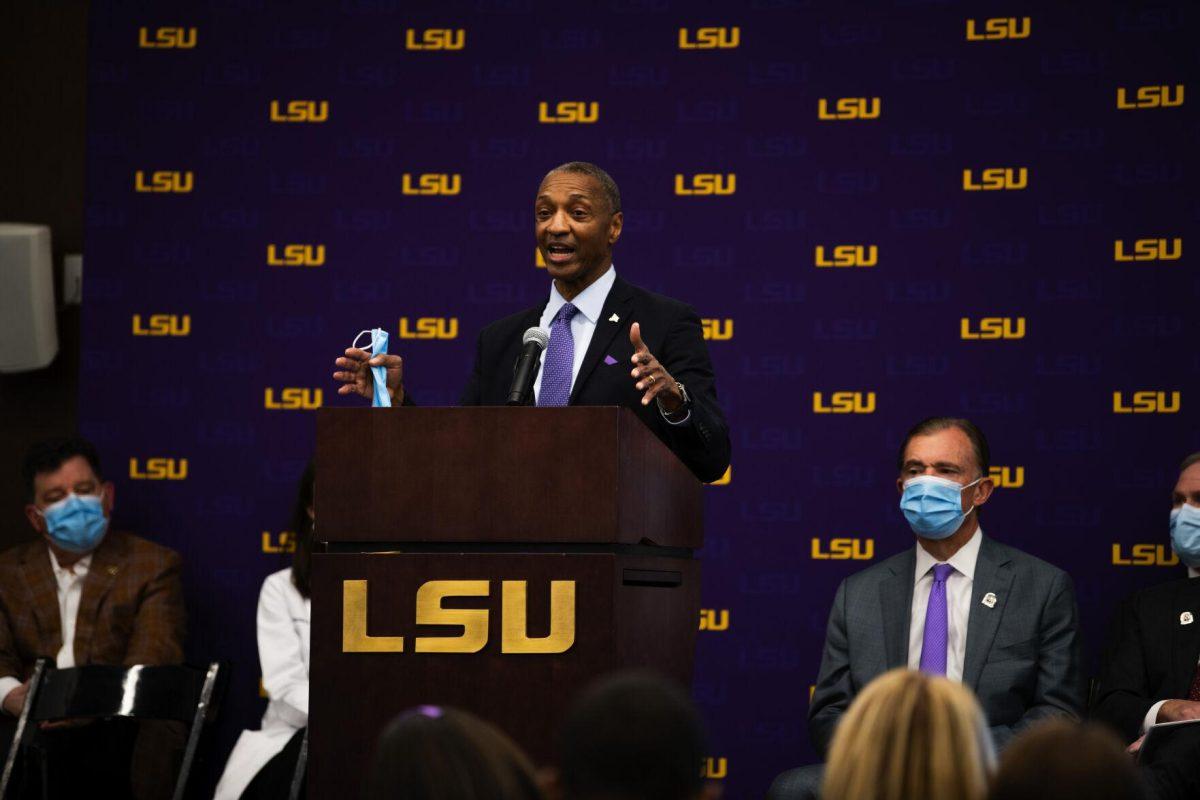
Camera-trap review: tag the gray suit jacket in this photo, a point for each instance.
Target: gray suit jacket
(1022, 655)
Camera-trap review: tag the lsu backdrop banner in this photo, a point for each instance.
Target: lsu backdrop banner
(882, 213)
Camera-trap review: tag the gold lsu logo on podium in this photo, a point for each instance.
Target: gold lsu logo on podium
(475, 622)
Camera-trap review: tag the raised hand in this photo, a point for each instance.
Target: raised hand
(651, 376)
(354, 372)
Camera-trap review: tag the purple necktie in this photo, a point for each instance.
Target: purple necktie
(933, 645)
(560, 358)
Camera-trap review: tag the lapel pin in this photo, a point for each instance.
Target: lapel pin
(989, 599)
(1186, 618)
(614, 318)
(111, 571)
(609, 360)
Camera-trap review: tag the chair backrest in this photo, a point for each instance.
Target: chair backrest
(180, 693)
(140, 692)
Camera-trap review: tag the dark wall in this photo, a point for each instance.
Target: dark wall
(43, 82)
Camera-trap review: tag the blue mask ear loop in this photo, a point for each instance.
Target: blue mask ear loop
(378, 347)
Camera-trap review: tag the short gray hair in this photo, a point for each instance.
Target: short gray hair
(1194, 458)
(606, 182)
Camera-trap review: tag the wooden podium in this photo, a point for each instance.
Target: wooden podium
(494, 559)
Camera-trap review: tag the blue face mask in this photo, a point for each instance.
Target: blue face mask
(933, 505)
(378, 347)
(1185, 533)
(76, 523)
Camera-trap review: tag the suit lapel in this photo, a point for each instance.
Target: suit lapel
(102, 574)
(895, 597)
(993, 573)
(43, 597)
(619, 300)
(1185, 639)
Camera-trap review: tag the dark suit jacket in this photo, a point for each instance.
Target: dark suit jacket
(1022, 655)
(1149, 655)
(130, 611)
(673, 333)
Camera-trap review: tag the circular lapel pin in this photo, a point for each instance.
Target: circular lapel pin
(989, 600)
(1186, 618)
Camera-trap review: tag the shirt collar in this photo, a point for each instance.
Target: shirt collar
(590, 301)
(1193, 572)
(80, 567)
(963, 561)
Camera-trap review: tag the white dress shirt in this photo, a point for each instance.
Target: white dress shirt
(1152, 715)
(958, 604)
(590, 303)
(70, 590)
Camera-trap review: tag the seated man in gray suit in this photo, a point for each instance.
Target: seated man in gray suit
(957, 604)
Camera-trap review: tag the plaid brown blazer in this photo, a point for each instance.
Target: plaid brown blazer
(130, 611)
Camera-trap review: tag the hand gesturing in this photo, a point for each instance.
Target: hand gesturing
(651, 376)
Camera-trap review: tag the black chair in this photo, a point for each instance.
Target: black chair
(178, 693)
(301, 766)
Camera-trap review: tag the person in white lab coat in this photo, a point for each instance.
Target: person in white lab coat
(262, 762)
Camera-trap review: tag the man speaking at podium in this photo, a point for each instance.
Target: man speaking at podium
(610, 343)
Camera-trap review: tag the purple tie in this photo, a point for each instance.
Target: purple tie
(560, 358)
(933, 645)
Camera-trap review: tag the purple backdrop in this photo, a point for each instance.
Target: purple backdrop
(310, 126)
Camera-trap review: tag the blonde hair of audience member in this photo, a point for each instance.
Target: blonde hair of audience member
(910, 735)
(1063, 758)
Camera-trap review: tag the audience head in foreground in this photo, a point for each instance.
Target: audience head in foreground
(435, 753)
(910, 735)
(633, 736)
(1059, 758)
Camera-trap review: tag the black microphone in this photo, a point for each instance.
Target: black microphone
(534, 342)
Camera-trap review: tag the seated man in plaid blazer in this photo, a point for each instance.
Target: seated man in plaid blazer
(80, 593)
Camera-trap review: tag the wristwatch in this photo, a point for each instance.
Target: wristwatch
(683, 409)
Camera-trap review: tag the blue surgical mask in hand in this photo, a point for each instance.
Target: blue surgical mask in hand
(1185, 533)
(933, 505)
(379, 344)
(76, 523)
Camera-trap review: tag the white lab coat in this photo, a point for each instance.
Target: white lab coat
(283, 636)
